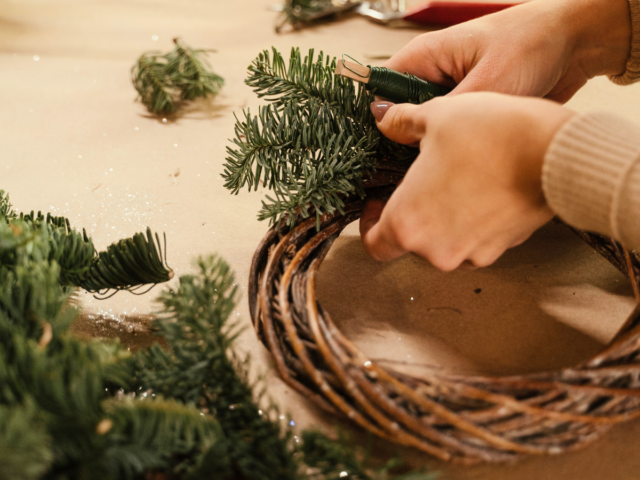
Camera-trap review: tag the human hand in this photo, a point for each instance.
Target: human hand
(545, 48)
(475, 189)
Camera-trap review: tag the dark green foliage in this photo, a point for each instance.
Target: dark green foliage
(125, 265)
(314, 146)
(5, 206)
(202, 369)
(188, 71)
(71, 409)
(299, 13)
(25, 444)
(128, 264)
(154, 434)
(164, 81)
(58, 417)
(329, 459)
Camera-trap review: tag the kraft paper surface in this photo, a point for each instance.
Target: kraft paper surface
(75, 143)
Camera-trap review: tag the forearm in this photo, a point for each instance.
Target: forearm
(632, 68)
(601, 34)
(591, 176)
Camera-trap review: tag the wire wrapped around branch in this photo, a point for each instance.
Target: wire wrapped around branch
(316, 143)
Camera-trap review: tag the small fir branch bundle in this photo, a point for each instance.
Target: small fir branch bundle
(314, 145)
(164, 82)
(299, 13)
(64, 408)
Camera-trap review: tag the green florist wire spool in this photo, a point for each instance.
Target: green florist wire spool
(394, 86)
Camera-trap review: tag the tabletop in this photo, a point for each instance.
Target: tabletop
(76, 143)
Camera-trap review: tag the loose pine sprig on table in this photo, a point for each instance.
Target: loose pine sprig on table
(166, 81)
(315, 145)
(299, 13)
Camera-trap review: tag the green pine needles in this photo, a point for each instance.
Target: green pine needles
(314, 145)
(129, 264)
(92, 410)
(165, 82)
(299, 13)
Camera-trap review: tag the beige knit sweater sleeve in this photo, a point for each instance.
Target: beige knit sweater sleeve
(591, 172)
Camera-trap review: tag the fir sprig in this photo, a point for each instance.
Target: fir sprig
(202, 369)
(299, 13)
(165, 81)
(126, 265)
(316, 143)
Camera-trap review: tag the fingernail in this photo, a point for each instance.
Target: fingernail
(379, 108)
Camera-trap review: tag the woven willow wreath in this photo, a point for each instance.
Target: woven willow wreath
(464, 419)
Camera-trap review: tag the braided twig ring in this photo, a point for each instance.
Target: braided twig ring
(463, 419)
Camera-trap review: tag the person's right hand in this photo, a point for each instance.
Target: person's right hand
(544, 48)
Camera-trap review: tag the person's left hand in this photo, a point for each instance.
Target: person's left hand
(475, 190)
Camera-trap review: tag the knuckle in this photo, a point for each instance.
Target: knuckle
(402, 228)
(371, 247)
(398, 119)
(484, 259)
(445, 262)
(448, 258)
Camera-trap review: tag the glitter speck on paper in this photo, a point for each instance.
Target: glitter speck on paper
(36, 58)
(154, 38)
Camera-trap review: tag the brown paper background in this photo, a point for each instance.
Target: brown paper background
(75, 143)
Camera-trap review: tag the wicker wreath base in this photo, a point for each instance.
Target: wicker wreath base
(464, 419)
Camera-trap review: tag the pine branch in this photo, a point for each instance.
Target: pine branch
(314, 146)
(153, 86)
(147, 434)
(64, 410)
(25, 444)
(164, 82)
(5, 206)
(202, 369)
(335, 459)
(299, 13)
(188, 70)
(74, 252)
(125, 265)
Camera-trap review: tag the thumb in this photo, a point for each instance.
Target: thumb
(404, 123)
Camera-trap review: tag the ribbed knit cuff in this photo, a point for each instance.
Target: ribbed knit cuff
(591, 176)
(632, 71)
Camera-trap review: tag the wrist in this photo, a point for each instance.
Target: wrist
(601, 34)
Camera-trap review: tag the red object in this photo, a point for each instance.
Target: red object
(451, 13)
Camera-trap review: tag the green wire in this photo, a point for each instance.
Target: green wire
(402, 87)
